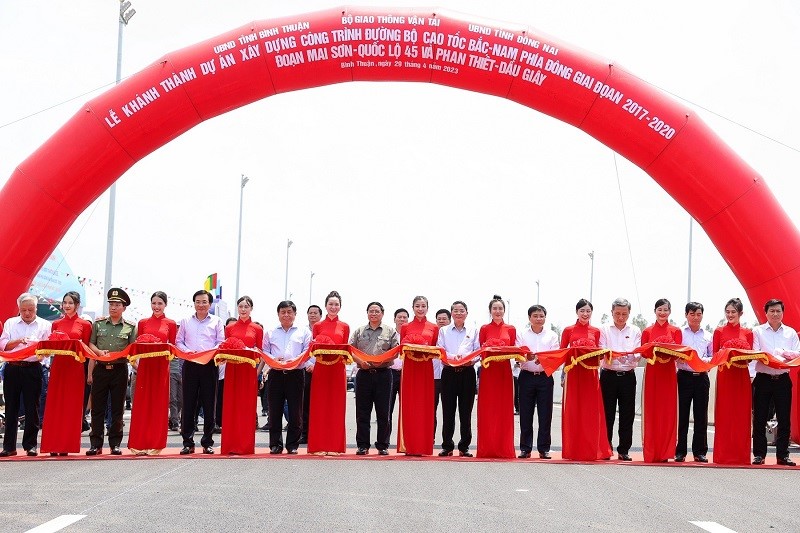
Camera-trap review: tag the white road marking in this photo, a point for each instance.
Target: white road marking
(713, 527)
(57, 524)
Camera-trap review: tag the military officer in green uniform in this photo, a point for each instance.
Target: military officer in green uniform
(111, 334)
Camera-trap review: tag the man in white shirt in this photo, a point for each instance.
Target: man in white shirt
(772, 384)
(23, 378)
(535, 386)
(200, 332)
(458, 383)
(442, 320)
(617, 378)
(693, 388)
(400, 318)
(287, 342)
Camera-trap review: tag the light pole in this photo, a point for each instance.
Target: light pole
(689, 283)
(125, 16)
(591, 276)
(286, 283)
(537, 292)
(242, 183)
(310, 284)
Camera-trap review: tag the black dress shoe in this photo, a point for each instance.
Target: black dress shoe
(115, 450)
(85, 426)
(362, 451)
(217, 430)
(62, 454)
(187, 450)
(682, 458)
(465, 454)
(524, 455)
(758, 460)
(446, 453)
(292, 452)
(544, 455)
(624, 457)
(383, 452)
(700, 459)
(275, 450)
(8, 453)
(53, 454)
(94, 451)
(208, 450)
(785, 461)
(33, 452)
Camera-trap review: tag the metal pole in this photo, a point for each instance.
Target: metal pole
(689, 288)
(591, 278)
(310, 285)
(239, 249)
(286, 283)
(537, 292)
(112, 193)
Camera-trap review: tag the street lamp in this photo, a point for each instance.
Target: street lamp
(286, 283)
(537, 292)
(689, 282)
(310, 284)
(242, 183)
(125, 15)
(591, 277)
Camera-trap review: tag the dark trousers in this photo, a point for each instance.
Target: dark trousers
(693, 390)
(395, 389)
(285, 386)
(108, 380)
(218, 405)
(306, 403)
(516, 393)
(619, 388)
(535, 393)
(372, 389)
(458, 390)
(25, 381)
(199, 388)
(768, 388)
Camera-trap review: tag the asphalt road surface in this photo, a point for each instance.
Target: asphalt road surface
(304, 493)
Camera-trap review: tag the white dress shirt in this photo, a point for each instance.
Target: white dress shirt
(543, 341)
(701, 341)
(397, 364)
(16, 328)
(775, 343)
(623, 340)
(200, 335)
(288, 345)
(457, 342)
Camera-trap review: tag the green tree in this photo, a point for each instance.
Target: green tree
(640, 321)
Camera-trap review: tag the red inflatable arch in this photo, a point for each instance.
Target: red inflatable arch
(117, 129)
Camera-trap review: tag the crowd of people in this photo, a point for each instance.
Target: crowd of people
(427, 363)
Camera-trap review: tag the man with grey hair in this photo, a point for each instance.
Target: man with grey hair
(617, 377)
(23, 378)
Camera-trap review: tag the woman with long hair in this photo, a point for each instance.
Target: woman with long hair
(660, 390)
(415, 433)
(63, 413)
(496, 400)
(148, 427)
(734, 397)
(583, 427)
(327, 406)
(241, 384)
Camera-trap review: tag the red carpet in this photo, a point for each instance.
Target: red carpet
(263, 453)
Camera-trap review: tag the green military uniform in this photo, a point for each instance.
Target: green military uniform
(110, 377)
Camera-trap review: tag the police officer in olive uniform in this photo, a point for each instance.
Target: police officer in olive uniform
(112, 334)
